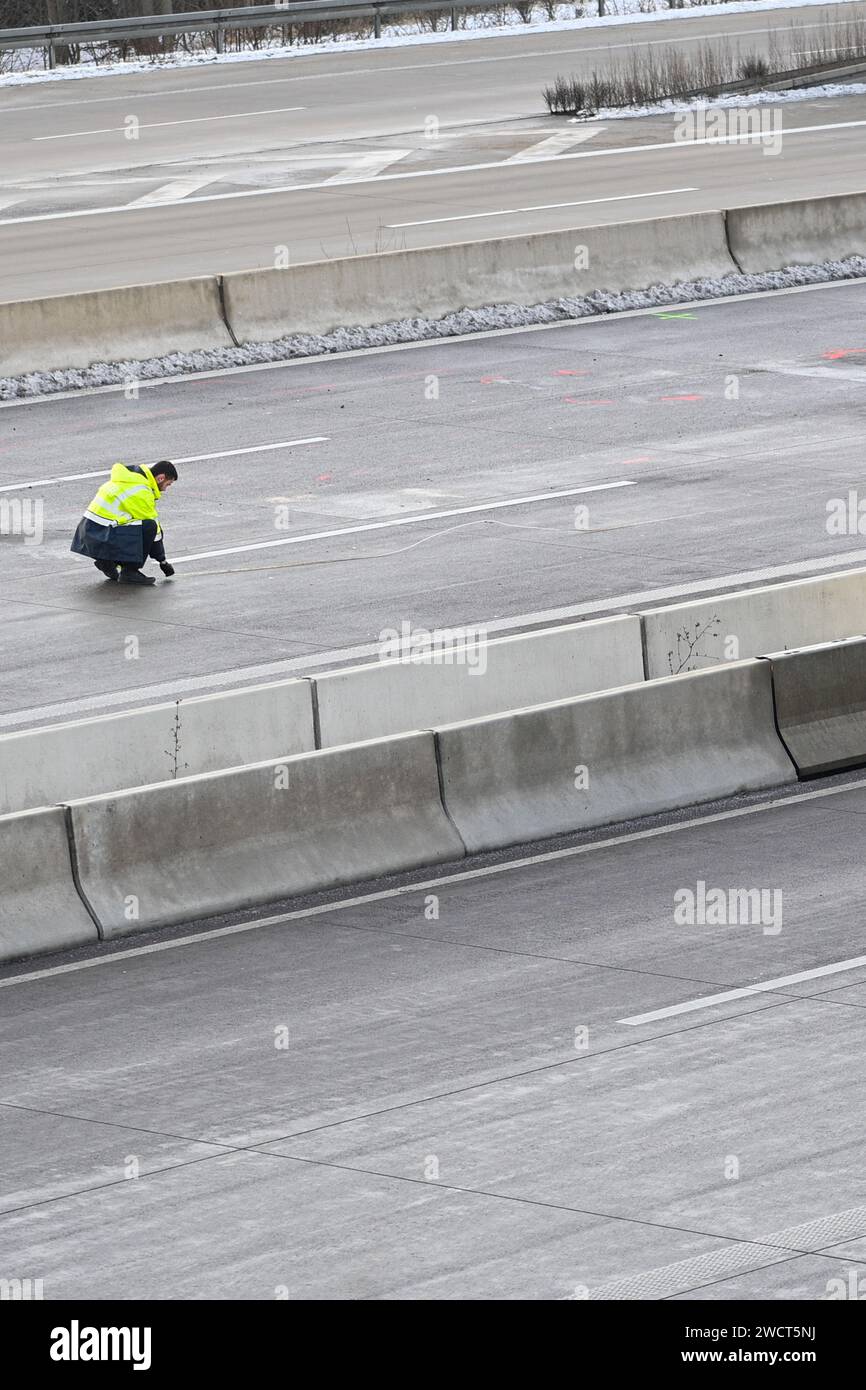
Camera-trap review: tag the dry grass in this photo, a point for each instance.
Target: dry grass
(650, 76)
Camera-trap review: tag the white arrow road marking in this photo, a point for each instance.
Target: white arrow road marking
(749, 137)
(555, 144)
(175, 190)
(367, 166)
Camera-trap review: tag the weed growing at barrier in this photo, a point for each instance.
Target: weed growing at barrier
(689, 648)
(649, 76)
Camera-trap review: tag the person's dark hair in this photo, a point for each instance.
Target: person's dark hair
(164, 469)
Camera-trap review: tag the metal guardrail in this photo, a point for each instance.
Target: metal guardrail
(54, 36)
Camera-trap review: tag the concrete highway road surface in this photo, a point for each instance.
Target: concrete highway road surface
(543, 1073)
(376, 150)
(52, 127)
(322, 502)
(528, 1082)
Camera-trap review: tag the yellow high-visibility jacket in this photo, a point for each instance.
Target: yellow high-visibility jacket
(129, 496)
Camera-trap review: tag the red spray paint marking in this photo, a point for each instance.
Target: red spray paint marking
(681, 398)
(569, 371)
(645, 458)
(833, 354)
(489, 380)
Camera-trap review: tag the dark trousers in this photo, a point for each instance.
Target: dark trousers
(153, 549)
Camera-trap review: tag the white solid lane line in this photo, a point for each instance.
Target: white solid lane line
(780, 982)
(126, 97)
(191, 458)
(542, 207)
(254, 449)
(462, 876)
(154, 125)
(400, 521)
(744, 139)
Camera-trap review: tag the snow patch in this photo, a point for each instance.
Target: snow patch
(492, 316)
(748, 100)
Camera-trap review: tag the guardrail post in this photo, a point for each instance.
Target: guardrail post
(601, 9)
(52, 55)
(220, 38)
(453, 18)
(377, 25)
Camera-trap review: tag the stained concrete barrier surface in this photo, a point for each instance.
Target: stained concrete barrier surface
(434, 281)
(118, 325)
(707, 631)
(40, 909)
(226, 841)
(613, 756)
(820, 695)
(86, 757)
(476, 679)
(805, 231)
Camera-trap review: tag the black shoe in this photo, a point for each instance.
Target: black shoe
(135, 577)
(107, 568)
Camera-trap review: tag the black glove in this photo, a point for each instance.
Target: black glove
(167, 569)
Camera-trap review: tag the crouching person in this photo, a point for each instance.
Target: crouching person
(120, 530)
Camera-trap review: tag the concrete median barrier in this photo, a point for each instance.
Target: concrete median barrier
(40, 909)
(448, 679)
(63, 762)
(806, 231)
(146, 321)
(820, 695)
(264, 305)
(136, 321)
(232, 840)
(612, 756)
(704, 632)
